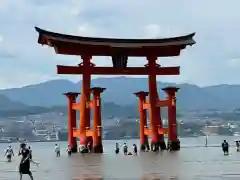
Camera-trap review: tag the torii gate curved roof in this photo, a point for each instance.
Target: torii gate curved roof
(78, 45)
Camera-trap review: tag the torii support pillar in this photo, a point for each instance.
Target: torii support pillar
(143, 120)
(173, 141)
(72, 141)
(97, 120)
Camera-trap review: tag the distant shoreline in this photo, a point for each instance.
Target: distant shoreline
(36, 141)
(31, 141)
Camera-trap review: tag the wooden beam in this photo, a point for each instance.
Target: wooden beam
(118, 71)
(76, 106)
(147, 131)
(76, 132)
(162, 131)
(89, 133)
(163, 103)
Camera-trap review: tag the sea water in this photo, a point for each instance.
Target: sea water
(192, 162)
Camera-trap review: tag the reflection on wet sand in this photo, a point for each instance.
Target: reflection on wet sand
(109, 166)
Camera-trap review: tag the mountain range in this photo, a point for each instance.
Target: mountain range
(119, 91)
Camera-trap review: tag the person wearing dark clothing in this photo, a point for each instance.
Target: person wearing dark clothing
(125, 149)
(117, 148)
(225, 147)
(237, 146)
(24, 167)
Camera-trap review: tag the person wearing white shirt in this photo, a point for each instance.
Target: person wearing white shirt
(57, 150)
(9, 153)
(69, 150)
(134, 149)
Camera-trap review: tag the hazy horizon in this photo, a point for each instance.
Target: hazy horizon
(76, 81)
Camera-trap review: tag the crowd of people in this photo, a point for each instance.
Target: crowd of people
(57, 150)
(26, 154)
(225, 146)
(125, 149)
(26, 158)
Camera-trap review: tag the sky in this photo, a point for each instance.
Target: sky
(214, 59)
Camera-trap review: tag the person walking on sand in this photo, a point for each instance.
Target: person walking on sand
(69, 150)
(57, 150)
(24, 166)
(9, 153)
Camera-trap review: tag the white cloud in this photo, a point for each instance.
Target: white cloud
(217, 35)
(156, 31)
(152, 30)
(86, 30)
(234, 63)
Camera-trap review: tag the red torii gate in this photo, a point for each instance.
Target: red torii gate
(119, 50)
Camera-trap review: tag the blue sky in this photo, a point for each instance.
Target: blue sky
(215, 59)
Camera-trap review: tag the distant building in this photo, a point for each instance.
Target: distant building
(53, 136)
(40, 132)
(213, 130)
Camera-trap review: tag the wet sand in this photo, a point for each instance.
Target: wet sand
(188, 164)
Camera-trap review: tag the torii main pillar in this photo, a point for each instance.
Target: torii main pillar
(72, 119)
(161, 141)
(154, 111)
(173, 141)
(85, 98)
